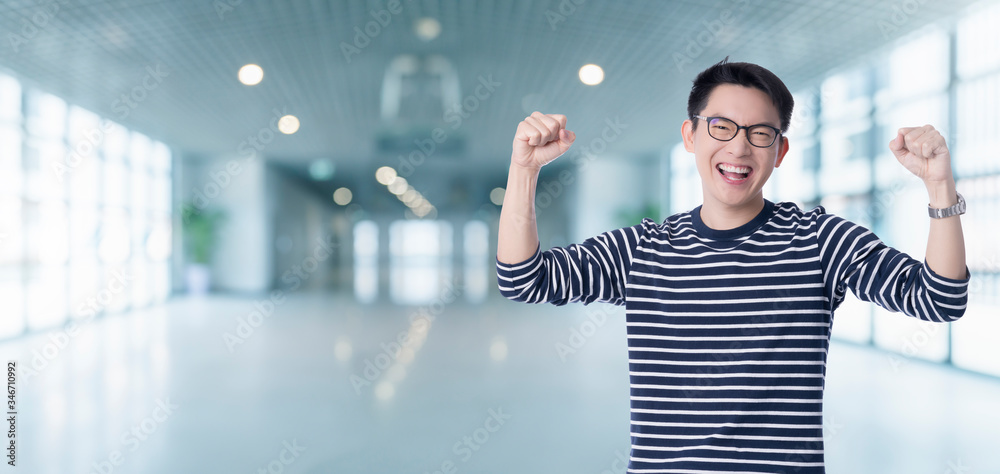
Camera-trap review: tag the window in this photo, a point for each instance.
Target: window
(70, 226)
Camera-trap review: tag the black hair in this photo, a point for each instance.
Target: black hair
(743, 74)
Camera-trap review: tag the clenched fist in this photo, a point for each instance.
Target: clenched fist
(539, 139)
(923, 151)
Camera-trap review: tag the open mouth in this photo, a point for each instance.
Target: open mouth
(734, 174)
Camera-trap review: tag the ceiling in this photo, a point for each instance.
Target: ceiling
(92, 52)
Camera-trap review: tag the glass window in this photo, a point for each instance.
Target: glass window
(841, 174)
(978, 41)
(66, 172)
(11, 178)
(928, 49)
(84, 286)
(160, 193)
(113, 239)
(685, 188)
(159, 158)
(419, 260)
(46, 298)
(12, 294)
(366, 261)
(910, 336)
(42, 177)
(11, 231)
(977, 119)
(116, 142)
(84, 229)
(10, 100)
(478, 264)
(115, 184)
(46, 115)
(974, 336)
(931, 109)
(845, 96)
(46, 232)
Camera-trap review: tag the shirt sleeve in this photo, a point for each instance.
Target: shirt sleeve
(853, 257)
(595, 270)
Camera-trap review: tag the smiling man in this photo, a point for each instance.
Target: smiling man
(729, 306)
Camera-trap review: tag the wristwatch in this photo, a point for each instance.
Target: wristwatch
(956, 210)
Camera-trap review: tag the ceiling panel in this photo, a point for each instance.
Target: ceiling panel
(92, 52)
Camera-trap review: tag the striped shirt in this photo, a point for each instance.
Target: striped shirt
(728, 330)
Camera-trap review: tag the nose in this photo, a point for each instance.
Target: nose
(739, 146)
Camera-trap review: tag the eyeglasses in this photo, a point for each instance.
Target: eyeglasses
(723, 129)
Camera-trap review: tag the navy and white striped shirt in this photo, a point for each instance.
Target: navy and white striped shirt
(728, 330)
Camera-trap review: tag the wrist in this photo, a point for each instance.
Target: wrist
(524, 170)
(941, 194)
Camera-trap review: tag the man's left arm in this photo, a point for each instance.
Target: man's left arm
(923, 151)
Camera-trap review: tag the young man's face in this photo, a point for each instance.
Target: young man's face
(734, 172)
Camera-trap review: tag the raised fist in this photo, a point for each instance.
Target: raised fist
(539, 139)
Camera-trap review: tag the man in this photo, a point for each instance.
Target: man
(729, 306)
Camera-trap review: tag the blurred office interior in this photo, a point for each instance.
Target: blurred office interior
(252, 236)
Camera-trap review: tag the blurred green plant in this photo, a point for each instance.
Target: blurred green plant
(633, 216)
(199, 227)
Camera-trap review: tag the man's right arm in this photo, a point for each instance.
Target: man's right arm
(594, 271)
(539, 139)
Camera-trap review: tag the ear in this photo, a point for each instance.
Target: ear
(687, 133)
(782, 149)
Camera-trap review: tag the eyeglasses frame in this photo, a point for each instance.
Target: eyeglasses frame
(777, 132)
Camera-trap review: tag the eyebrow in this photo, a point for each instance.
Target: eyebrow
(731, 120)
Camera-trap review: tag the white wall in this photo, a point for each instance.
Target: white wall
(242, 260)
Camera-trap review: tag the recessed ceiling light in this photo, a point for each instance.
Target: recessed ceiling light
(385, 175)
(342, 196)
(288, 124)
(496, 196)
(591, 74)
(427, 28)
(251, 74)
(398, 186)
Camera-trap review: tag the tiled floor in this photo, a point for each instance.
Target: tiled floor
(318, 386)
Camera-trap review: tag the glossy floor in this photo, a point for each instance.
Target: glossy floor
(318, 385)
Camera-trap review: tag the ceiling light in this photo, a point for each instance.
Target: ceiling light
(427, 28)
(288, 124)
(385, 175)
(343, 196)
(409, 195)
(496, 196)
(251, 74)
(591, 74)
(398, 185)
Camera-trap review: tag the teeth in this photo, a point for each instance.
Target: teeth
(734, 169)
